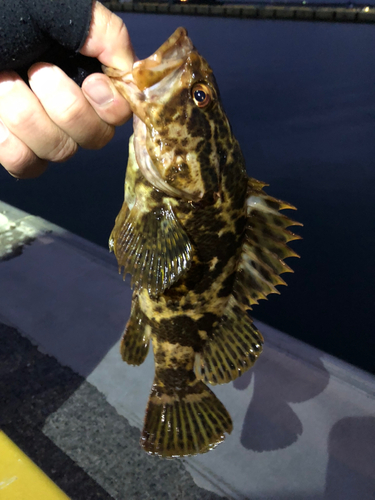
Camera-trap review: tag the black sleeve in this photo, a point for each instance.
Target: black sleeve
(45, 30)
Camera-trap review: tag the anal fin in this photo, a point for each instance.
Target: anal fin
(136, 339)
(232, 349)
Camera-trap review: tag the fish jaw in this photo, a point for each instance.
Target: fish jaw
(169, 57)
(154, 83)
(125, 84)
(149, 72)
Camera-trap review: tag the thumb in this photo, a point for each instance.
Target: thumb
(108, 40)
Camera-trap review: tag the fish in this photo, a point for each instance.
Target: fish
(202, 241)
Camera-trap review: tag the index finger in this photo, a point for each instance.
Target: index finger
(109, 40)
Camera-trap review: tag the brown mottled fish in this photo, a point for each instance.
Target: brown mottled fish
(202, 241)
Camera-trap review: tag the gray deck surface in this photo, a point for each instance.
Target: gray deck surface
(304, 423)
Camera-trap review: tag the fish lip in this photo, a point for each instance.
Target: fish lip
(170, 56)
(147, 73)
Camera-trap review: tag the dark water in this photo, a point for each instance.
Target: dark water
(308, 3)
(301, 99)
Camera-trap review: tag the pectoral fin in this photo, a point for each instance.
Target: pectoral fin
(153, 247)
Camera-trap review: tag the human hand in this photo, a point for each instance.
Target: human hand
(49, 122)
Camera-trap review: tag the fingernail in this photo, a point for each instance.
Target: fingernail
(99, 91)
(44, 78)
(4, 132)
(6, 86)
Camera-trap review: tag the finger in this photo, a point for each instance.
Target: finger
(108, 40)
(66, 105)
(17, 158)
(24, 116)
(106, 100)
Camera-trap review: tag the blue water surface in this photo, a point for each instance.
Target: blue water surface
(301, 100)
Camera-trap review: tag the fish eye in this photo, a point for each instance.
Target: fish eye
(201, 94)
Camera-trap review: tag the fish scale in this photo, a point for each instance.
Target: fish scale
(202, 241)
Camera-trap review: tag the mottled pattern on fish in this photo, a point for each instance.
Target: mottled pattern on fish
(202, 241)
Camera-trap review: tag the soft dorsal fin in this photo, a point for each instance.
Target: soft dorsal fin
(235, 343)
(151, 246)
(232, 348)
(264, 248)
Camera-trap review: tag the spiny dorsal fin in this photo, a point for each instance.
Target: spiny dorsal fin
(152, 246)
(265, 247)
(232, 349)
(136, 339)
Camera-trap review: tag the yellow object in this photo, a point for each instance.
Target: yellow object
(21, 479)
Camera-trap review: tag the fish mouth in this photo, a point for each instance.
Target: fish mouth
(170, 56)
(141, 82)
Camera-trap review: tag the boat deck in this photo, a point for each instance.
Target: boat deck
(304, 423)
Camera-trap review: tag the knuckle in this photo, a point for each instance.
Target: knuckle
(21, 116)
(101, 138)
(124, 36)
(123, 118)
(115, 26)
(117, 30)
(25, 165)
(65, 148)
(72, 111)
(19, 159)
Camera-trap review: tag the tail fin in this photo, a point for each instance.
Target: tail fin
(184, 422)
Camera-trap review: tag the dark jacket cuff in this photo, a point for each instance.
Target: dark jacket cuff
(29, 28)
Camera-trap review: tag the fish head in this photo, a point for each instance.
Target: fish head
(181, 133)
